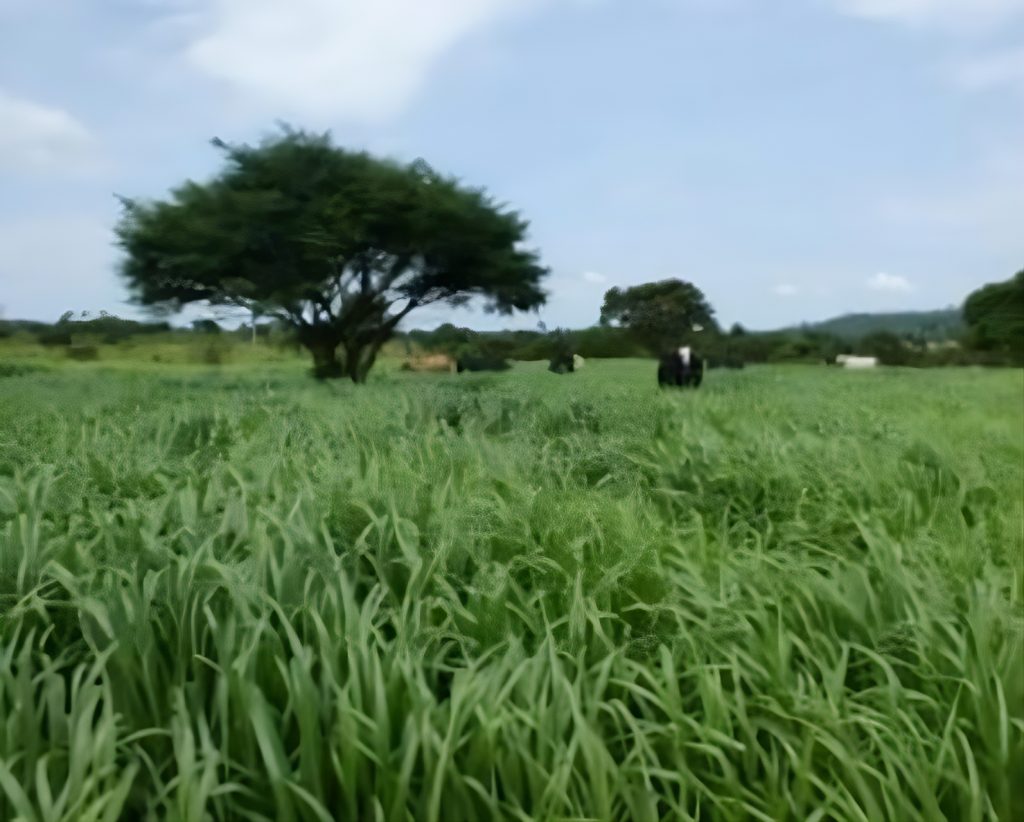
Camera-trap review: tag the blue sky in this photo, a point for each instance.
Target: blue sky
(796, 159)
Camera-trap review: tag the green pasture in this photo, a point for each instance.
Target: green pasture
(232, 593)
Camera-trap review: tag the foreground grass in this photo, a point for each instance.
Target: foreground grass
(795, 594)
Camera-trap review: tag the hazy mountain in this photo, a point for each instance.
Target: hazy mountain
(943, 324)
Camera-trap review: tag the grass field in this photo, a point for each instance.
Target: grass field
(239, 595)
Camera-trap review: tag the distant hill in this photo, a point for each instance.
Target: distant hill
(944, 324)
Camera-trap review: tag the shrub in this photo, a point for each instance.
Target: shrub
(83, 352)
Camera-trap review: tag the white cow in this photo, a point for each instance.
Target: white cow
(858, 362)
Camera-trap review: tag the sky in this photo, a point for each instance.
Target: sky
(795, 159)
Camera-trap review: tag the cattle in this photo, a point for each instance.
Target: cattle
(430, 363)
(562, 362)
(859, 362)
(681, 368)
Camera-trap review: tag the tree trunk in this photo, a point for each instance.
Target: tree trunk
(352, 365)
(360, 357)
(360, 350)
(325, 360)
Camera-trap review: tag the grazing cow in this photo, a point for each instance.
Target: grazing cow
(680, 368)
(429, 362)
(562, 362)
(860, 362)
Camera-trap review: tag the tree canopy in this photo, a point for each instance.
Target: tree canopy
(659, 315)
(994, 315)
(338, 244)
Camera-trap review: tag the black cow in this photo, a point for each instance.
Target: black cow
(562, 362)
(680, 368)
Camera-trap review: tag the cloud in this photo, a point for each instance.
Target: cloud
(594, 277)
(1002, 69)
(36, 137)
(786, 290)
(352, 58)
(943, 12)
(889, 282)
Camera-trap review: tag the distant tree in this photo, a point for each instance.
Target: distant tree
(340, 245)
(737, 330)
(659, 315)
(994, 315)
(447, 338)
(206, 327)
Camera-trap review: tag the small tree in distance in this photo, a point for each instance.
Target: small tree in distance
(659, 315)
(339, 245)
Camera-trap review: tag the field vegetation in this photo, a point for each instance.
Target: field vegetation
(233, 593)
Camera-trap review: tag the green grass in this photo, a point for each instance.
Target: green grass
(236, 594)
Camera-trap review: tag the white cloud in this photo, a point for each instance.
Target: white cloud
(920, 12)
(594, 277)
(889, 282)
(786, 290)
(36, 137)
(361, 59)
(1005, 68)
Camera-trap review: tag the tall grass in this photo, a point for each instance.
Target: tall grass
(793, 595)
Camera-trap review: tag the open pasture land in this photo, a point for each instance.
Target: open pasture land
(240, 595)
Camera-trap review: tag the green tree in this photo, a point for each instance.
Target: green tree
(994, 315)
(338, 244)
(659, 315)
(206, 327)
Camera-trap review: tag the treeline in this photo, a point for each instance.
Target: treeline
(81, 336)
(104, 329)
(597, 342)
(732, 349)
(638, 320)
(992, 334)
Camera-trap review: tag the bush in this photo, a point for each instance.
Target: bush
(606, 342)
(481, 362)
(11, 369)
(54, 337)
(889, 348)
(83, 352)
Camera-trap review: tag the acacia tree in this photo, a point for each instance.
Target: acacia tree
(339, 245)
(659, 315)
